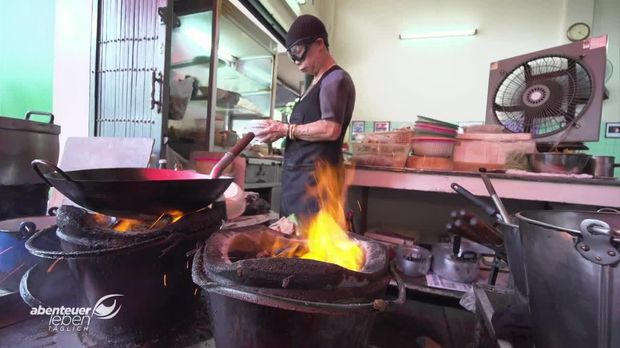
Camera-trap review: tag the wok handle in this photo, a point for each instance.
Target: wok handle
(229, 156)
(498, 202)
(37, 162)
(477, 201)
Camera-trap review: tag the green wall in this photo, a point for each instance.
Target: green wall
(26, 56)
(606, 146)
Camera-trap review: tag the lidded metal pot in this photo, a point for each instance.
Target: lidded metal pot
(573, 277)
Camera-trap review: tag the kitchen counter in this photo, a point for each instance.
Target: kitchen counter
(596, 192)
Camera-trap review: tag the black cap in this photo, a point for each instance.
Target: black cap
(304, 27)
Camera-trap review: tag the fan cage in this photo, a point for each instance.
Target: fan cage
(543, 96)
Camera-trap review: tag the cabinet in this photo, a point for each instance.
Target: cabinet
(190, 74)
(243, 75)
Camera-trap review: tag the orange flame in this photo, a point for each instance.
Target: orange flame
(327, 238)
(124, 225)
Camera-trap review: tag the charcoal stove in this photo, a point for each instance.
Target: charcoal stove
(257, 301)
(136, 282)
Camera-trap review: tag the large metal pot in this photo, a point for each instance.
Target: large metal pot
(573, 278)
(514, 252)
(21, 141)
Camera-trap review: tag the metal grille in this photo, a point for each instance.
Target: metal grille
(129, 71)
(543, 96)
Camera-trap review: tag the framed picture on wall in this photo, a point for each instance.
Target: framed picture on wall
(357, 127)
(612, 130)
(381, 126)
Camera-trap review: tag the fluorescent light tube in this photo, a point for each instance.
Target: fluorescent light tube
(409, 36)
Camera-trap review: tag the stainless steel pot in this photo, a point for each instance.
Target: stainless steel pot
(413, 260)
(601, 166)
(21, 141)
(514, 252)
(573, 277)
(557, 162)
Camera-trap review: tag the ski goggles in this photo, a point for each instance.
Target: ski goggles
(299, 49)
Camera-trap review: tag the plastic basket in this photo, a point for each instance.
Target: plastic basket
(380, 154)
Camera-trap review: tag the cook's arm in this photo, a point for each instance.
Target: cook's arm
(321, 130)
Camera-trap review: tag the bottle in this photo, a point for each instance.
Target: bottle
(162, 163)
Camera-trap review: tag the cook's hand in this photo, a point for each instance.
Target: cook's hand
(273, 131)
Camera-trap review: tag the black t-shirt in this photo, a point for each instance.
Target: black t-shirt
(337, 98)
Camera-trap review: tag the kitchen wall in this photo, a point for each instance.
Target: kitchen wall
(26, 56)
(606, 14)
(447, 78)
(396, 80)
(72, 67)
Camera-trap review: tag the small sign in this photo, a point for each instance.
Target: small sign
(357, 127)
(382, 126)
(612, 130)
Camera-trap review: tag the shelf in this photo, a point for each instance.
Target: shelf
(597, 192)
(419, 284)
(228, 78)
(199, 60)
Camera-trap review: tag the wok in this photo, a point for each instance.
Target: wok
(141, 192)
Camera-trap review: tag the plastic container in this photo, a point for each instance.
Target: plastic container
(484, 128)
(394, 137)
(437, 122)
(380, 154)
(433, 146)
(434, 129)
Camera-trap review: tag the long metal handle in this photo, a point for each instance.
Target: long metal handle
(498, 202)
(37, 162)
(477, 201)
(156, 77)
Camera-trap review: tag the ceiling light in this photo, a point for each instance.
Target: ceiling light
(439, 34)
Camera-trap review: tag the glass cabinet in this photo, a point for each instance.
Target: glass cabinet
(243, 76)
(154, 76)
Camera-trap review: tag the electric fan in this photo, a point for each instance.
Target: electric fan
(554, 94)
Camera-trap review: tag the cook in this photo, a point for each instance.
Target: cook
(319, 120)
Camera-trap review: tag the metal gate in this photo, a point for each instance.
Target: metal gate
(131, 73)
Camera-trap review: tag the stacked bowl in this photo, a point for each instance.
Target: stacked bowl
(433, 137)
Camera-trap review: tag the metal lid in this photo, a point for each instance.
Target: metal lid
(26, 125)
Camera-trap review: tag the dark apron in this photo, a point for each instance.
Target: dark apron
(300, 156)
